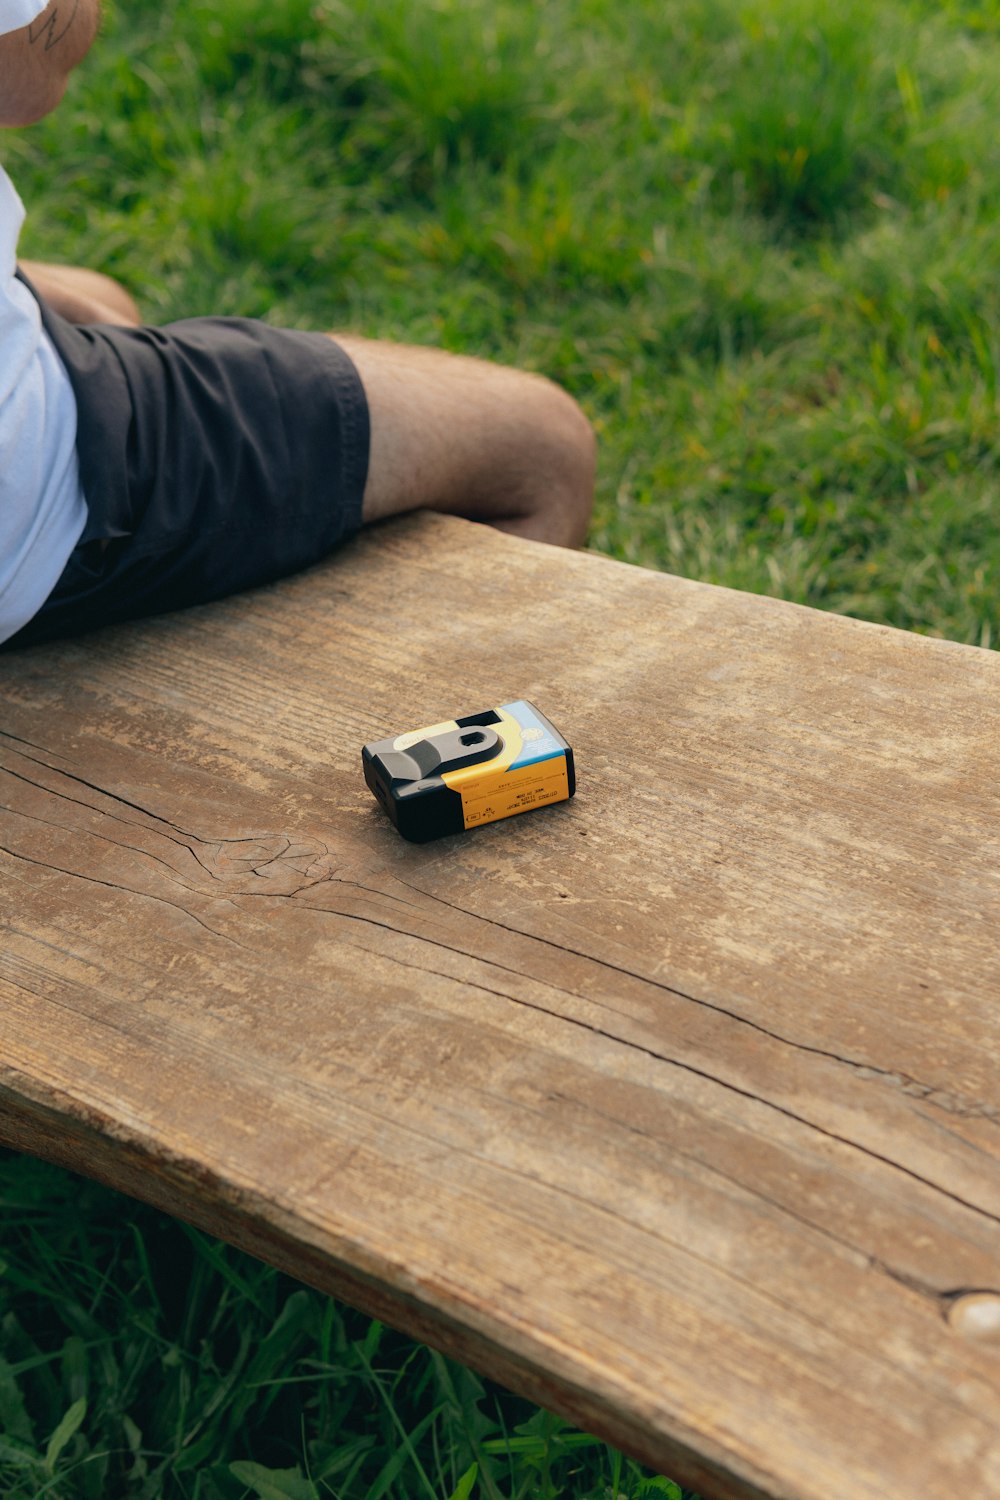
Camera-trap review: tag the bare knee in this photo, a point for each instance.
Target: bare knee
(81, 295)
(557, 482)
(113, 297)
(474, 439)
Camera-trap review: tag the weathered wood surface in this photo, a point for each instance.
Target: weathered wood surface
(675, 1107)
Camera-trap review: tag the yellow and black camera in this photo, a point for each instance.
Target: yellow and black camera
(464, 772)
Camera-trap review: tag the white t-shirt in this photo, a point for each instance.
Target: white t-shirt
(42, 509)
(17, 13)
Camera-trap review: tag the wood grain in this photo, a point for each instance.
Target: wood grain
(675, 1107)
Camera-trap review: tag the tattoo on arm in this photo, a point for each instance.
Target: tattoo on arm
(51, 29)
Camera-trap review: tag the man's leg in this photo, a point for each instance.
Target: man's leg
(473, 439)
(448, 433)
(82, 296)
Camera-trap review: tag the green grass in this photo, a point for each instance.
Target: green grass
(760, 242)
(757, 242)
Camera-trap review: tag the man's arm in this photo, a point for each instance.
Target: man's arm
(37, 59)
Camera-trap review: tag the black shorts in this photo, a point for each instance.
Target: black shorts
(216, 454)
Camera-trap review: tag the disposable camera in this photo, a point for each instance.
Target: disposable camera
(465, 772)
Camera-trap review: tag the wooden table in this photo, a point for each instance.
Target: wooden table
(674, 1107)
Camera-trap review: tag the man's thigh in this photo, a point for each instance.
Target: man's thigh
(215, 455)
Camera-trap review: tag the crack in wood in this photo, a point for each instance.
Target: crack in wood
(696, 1072)
(93, 1117)
(947, 1100)
(930, 1093)
(112, 886)
(571, 1020)
(92, 786)
(943, 1099)
(926, 1290)
(290, 861)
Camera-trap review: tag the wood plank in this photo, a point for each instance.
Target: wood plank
(675, 1106)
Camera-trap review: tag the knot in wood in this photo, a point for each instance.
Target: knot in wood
(976, 1315)
(269, 864)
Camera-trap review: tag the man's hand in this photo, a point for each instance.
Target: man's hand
(36, 60)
